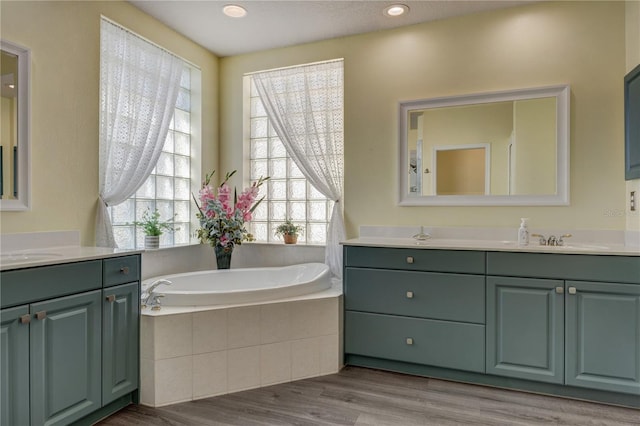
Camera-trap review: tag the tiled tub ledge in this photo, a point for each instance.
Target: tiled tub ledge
(194, 355)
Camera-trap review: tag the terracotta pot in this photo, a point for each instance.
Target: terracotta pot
(290, 238)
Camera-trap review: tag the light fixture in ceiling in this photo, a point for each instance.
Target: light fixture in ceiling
(396, 10)
(234, 11)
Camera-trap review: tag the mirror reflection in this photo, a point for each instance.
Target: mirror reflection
(14, 127)
(505, 148)
(8, 125)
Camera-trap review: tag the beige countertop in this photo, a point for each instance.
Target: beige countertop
(29, 258)
(491, 245)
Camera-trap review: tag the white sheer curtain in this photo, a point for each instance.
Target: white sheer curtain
(306, 107)
(139, 84)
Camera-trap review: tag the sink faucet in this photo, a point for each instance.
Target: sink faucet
(421, 236)
(149, 299)
(552, 240)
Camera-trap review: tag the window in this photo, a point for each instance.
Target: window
(174, 178)
(288, 194)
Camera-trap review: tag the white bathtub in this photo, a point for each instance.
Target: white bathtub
(236, 286)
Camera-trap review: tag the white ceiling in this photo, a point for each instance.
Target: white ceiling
(270, 24)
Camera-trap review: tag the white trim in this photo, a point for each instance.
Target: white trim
(560, 198)
(247, 74)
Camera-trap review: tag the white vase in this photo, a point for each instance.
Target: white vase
(151, 241)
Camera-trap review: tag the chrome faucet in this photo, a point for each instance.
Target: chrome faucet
(149, 299)
(552, 240)
(421, 236)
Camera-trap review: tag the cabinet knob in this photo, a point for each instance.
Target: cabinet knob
(25, 319)
(572, 290)
(124, 270)
(409, 341)
(409, 259)
(559, 290)
(409, 295)
(111, 298)
(41, 315)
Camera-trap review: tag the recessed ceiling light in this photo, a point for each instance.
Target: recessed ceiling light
(234, 11)
(396, 10)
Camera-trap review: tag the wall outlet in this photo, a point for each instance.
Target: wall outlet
(632, 201)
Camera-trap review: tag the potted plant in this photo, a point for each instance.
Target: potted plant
(153, 227)
(289, 231)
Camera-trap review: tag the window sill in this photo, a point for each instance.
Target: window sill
(257, 243)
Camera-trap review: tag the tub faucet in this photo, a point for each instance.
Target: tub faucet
(149, 299)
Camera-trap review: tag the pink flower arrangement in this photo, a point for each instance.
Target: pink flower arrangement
(221, 218)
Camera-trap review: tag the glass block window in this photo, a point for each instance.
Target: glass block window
(170, 184)
(288, 194)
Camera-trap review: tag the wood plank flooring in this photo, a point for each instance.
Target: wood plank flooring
(365, 397)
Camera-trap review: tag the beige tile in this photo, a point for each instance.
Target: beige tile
(172, 336)
(329, 354)
(243, 371)
(275, 363)
(305, 358)
(243, 327)
(275, 322)
(311, 318)
(173, 380)
(209, 374)
(146, 336)
(147, 382)
(209, 331)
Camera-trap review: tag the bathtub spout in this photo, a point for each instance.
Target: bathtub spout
(148, 298)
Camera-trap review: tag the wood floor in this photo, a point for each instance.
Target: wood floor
(364, 397)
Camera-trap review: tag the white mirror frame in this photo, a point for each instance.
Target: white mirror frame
(560, 198)
(23, 201)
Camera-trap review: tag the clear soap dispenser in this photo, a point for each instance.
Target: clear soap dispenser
(523, 232)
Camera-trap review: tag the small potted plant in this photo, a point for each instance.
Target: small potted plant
(153, 227)
(289, 231)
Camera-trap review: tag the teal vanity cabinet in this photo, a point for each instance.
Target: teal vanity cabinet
(59, 328)
(565, 318)
(424, 307)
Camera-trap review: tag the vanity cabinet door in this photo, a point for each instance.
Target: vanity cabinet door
(120, 319)
(603, 336)
(65, 358)
(14, 368)
(525, 328)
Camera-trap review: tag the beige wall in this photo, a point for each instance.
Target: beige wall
(632, 43)
(64, 38)
(548, 43)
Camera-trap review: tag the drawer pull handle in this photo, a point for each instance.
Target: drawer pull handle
(409, 259)
(409, 295)
(41, 315)
(572, 290)
(409, 341)
(124, 270)
(111, 298)
(559, 290)
(25, 319)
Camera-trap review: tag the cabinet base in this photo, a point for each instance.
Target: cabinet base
(107, 410)
(612, 398)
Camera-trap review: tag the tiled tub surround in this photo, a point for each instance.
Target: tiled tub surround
(213, 351)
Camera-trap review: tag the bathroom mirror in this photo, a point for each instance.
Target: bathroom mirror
(500, 148)
(14, 134)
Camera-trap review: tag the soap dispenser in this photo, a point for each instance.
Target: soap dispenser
(523, 232)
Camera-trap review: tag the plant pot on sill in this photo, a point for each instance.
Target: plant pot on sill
(151, 241)
(290, 238)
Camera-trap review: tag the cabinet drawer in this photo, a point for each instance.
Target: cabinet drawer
(30, 285)
(469, 262)
(121, 270)
(432, 295)
(437, 343)
(621, 269)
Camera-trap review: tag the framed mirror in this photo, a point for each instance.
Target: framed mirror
(15, 125)
(489, 149)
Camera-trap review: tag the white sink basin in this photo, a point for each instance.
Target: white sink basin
(26, 256)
